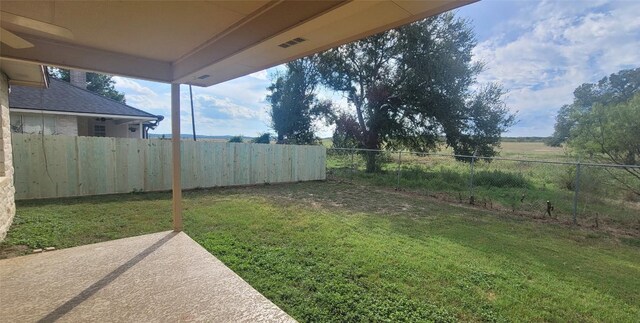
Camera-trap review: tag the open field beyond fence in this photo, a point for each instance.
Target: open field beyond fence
(517, 184)
(343, 252)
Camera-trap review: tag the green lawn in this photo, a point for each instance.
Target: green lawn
(327, 251)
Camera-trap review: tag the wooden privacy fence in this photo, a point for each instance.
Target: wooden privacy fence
(61, 166)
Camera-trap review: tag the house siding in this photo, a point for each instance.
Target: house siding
(7, 190)
(33, 123)
(122, 131)
(67, 125)
(83, 126)
(113, 129)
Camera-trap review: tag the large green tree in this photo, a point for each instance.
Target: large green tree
(294, 104)
(610, 90)
(98, 83)
(611, 133)
(414, 85)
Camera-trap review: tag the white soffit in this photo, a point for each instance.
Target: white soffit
(25, 74)
(183, 41)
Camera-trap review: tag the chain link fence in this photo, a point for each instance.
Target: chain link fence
(588, 194)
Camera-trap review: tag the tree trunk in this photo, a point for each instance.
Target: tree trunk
(373, 164)
(369, 137)
(372, 161)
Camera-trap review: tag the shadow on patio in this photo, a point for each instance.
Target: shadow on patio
(163, 276)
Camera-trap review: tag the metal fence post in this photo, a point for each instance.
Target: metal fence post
(399, 165)
(471, 197)
(353, 166)
(576, 193)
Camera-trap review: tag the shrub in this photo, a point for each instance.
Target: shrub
(237, 139)
(592, 179)
(498, 178)
(264, 138)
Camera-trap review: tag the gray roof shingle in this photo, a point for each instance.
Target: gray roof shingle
(61, 96)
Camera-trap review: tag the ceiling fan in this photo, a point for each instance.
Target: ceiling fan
(27, 24)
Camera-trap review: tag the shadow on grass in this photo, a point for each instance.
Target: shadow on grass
(97, 199)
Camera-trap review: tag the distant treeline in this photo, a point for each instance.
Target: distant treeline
(227, 137)
(188, 136)
(524, 139)
(504, 139)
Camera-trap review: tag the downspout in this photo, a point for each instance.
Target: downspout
(150, 126)
(193, 118)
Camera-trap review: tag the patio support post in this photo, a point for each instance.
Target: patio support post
(175, 153)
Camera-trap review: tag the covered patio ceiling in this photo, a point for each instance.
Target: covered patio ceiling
(197, 42)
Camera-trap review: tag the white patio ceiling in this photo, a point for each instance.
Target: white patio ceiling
(199, 42)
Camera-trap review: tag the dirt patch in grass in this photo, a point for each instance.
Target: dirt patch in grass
(386, 201)
(11, 251)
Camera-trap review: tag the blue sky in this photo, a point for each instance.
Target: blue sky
(540, 51)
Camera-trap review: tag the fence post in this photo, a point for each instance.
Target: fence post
(471, 197)
(576, 193)
(399, 165)
(353, 166)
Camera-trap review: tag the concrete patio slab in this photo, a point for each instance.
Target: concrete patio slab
(157, 277)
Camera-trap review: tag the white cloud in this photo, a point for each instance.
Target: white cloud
(132, 86)
(260, 75)
(225, 106)
(234, 107)
(542, 54)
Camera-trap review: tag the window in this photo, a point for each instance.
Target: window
(100, 130)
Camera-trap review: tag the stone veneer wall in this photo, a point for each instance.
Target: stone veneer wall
(7, 191)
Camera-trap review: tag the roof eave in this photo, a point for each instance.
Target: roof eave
(238, 51)
(80, 114)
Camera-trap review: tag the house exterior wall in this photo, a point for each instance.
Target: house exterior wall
(122, 131)
(33, 123)
(7, 190)
(83, 126)
(66, 125)
(113, 129)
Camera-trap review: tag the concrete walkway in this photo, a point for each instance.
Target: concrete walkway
(160, 277)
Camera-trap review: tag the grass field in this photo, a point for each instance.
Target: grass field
(534, 150)
(331, 251)
(520, 187)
